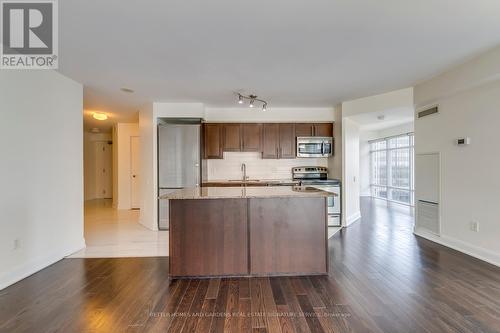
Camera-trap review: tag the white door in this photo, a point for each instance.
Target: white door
(103, 170)
(135, 190)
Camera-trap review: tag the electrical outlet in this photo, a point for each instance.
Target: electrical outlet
(474, 226)
(17, 244)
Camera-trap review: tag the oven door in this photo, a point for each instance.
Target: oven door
(334, 200)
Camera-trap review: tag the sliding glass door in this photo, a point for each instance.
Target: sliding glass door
(392, 168)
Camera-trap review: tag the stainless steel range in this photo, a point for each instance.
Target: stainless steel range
(317, 177)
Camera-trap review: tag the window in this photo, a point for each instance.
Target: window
(392, 168)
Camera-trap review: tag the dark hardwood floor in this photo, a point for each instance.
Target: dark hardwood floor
(383, 279)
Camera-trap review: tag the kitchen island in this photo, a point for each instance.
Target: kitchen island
(248, 231)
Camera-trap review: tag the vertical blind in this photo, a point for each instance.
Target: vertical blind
(391, 175)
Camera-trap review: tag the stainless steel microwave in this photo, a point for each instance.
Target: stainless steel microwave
(314, 146)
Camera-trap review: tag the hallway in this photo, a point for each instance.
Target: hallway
(111, 233)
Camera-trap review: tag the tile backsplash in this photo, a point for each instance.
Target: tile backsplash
(257, 168)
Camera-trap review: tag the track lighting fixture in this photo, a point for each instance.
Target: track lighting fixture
(253, 99)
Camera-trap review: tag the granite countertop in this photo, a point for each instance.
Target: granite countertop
(251, 181)
(247, 192)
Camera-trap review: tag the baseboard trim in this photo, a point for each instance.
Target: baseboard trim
(37, 264)
(460, 246)
(352, 218)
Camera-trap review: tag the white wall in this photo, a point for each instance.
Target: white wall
(114, 138)
(335, 162)
(398, 99)
(41, 173)
(350, 169)
(397, 130)
(89, 160)
(124, 132)
(244, 114)
(257, 167)
(469, 99)
(149, 188)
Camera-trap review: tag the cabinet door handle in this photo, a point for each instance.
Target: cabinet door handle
(277, 152)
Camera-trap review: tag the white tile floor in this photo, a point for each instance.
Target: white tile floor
(111, 233)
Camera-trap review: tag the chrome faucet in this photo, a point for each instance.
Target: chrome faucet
(244, 170)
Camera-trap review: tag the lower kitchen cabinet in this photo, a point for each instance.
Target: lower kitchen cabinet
(208, 237)
(287, 236)
(248, 236)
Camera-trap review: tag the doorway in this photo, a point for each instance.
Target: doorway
(103, 170)
(135, 194)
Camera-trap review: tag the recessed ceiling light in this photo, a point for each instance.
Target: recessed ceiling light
(100, 116)
(127, 90)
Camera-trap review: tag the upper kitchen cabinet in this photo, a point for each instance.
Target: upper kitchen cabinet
(270, 140)
(242, 137)
(324, 129)
(311, 129)
(278, 141)
(232, 137)
(213, 141)
(251, 137)
(304, 129)
(287, 141)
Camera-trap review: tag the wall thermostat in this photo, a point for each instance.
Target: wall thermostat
(463, 141)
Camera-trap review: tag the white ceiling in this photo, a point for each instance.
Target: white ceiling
(291, 53)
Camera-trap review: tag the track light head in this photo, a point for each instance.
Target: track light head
(253, 99)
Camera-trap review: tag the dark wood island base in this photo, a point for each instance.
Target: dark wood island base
(248, 236)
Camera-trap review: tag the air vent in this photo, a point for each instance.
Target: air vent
(428, 112)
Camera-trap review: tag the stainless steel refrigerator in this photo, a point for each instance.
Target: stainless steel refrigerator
(179, 159)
